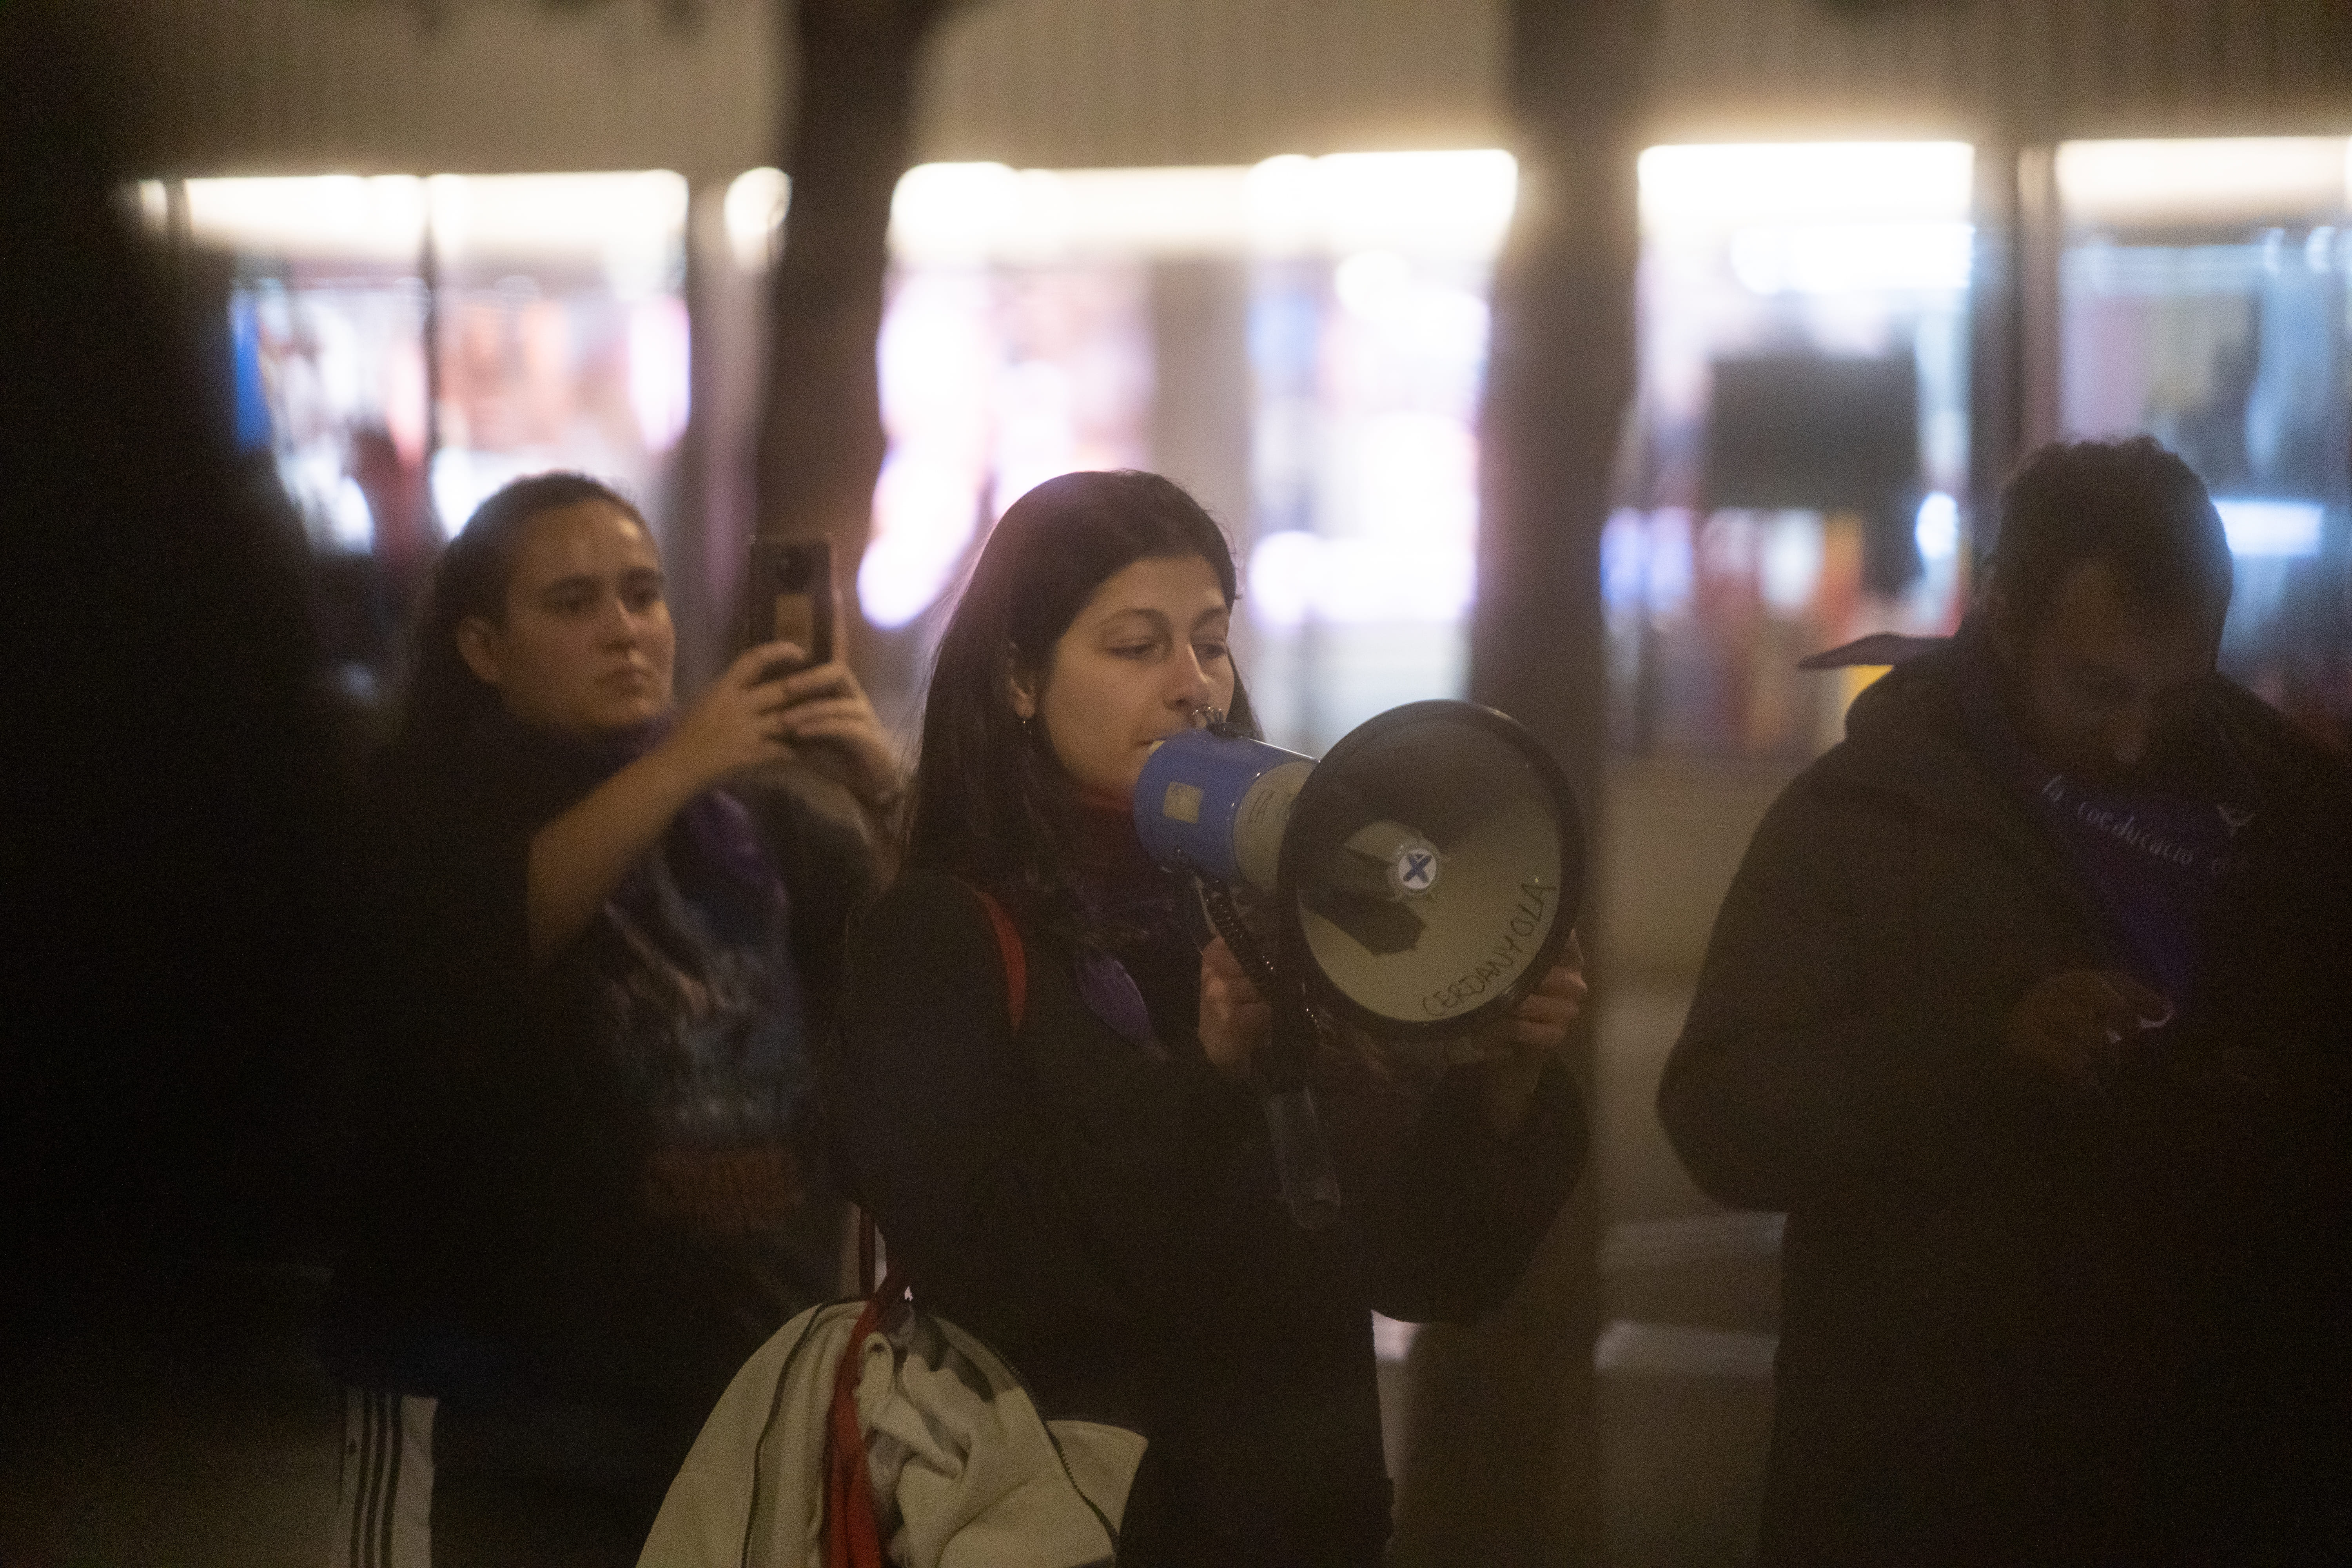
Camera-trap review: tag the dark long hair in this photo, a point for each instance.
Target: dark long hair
(445, 697)
(991, 803)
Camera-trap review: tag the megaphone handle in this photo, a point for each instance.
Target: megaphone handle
(1283, 1063)
(1218, 899)
(1310, 1188)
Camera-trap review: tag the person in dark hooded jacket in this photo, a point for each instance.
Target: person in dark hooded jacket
(2028, 1005)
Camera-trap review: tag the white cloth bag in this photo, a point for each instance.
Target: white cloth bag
(965, 1473)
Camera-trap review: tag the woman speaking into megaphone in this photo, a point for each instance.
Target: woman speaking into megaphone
(1042, 1087)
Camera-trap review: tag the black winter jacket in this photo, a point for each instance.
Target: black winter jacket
(1107, 1216)
(2021, 1324)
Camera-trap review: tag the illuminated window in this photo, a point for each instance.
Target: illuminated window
(1801, 440)
(561, 338)
(1023, 339)
(557, 338)
(326, 330)
(1368, 335)
(2204, 289)
(994, 380)
(563, 331)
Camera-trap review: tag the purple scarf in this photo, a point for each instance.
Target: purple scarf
(2151, 862)
(1121, 889)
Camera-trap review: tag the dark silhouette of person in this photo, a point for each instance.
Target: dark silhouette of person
(2028, 1006)
(170, 800)
(168, 780)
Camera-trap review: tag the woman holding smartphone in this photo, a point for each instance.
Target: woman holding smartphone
(606, 939)
(1091, 1189)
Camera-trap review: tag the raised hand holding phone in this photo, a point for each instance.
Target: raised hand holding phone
(827, 719)
(738, 723)
(824, 715)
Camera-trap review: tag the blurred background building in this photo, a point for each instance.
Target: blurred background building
(1884, 248)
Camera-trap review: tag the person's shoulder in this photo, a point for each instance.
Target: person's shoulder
(927, 945)
(812, 829)
(2277, 750)
(1859, 774)
(1906, 745)
(1898, 758)
(419, 805)
(1914, 707)
(924, 911)
(430, 795)
(1815, 813)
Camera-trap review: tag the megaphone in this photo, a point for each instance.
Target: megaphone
(1424, 877)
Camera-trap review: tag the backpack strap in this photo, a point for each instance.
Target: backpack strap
(1014, 956)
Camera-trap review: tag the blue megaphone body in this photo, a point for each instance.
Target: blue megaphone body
(1218, 804)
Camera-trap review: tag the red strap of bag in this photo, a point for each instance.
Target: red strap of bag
(852, 1537)
(1016, 959)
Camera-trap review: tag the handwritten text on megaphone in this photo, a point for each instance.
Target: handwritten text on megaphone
(1510, 955)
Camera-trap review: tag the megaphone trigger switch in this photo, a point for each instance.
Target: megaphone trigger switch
(1413, 871)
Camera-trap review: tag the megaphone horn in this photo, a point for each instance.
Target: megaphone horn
(1424, 877)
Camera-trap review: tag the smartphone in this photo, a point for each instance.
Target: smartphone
(790, 595)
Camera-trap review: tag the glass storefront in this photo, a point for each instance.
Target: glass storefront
(1304, 342)
(562, 334)
(1797, 469)
(400, 347)
(2202, 300)
(1331, 311)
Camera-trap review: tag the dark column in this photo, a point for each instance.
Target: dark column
(2013, 322)
(1502, 1463)
(1996, 349)
(821, 441)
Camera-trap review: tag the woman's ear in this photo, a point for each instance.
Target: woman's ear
(1020, 689)
(478, 644)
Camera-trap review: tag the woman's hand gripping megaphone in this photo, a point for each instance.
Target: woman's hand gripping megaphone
(1512, 1053)
(1236, 1020)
